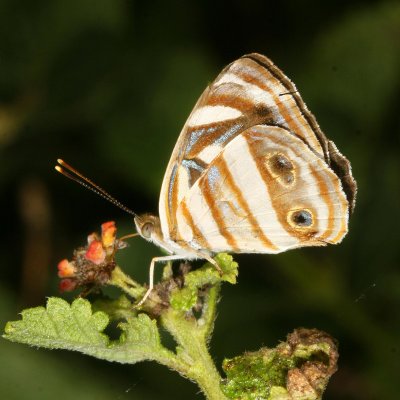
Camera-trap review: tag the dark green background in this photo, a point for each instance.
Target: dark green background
(107, 85)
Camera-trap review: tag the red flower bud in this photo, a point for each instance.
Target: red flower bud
(67, 285)
(108, 233)
(92, 264)
(66, 269)
(95, 252)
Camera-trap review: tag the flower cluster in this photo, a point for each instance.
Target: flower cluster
(93, 264)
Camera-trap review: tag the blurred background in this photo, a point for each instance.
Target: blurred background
(107, 85)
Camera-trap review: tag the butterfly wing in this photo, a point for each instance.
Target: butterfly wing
(266, 192)
(249, 92)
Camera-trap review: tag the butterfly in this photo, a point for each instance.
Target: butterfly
(251, 172)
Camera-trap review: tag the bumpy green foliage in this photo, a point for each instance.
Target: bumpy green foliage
(75, 327)
(187, 297)
(272, 374)
(296, 370)
(60, 325)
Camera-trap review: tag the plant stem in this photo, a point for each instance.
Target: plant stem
(126, 283)
(192, 350)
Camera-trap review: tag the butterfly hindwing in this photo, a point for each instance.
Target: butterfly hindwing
(266, 192)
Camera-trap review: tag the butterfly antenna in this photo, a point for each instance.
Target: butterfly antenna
(71, 173)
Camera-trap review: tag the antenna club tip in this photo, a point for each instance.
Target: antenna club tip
(58, 168)
(60, 161)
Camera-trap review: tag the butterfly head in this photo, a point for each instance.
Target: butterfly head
(148, 226)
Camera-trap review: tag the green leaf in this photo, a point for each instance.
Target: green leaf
(228, 266)
(208, 274)
(76, 327)
(139, 341)
(185, 298)
(117, 309)
(60, 325)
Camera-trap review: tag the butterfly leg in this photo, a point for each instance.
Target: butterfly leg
(151, 274)
(214, 263)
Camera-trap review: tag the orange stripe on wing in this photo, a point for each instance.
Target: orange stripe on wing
(228, 98)
(293, 122)
(323, 191)
(343, 226)
(172, 200)
(198, 235)
(217, 215)
(228, 179)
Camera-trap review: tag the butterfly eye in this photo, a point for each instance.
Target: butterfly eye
(147, 230)
(301, 218)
